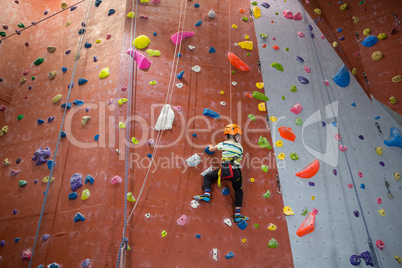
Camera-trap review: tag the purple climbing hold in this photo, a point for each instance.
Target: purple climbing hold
(5, 27)
(68, 52)
(310, 183)
(381, 163)
(85, 263)
(265, 4)
(323, 123)
(35, 181)
(310, 28)
(342, 38)
(15, 211)
(76, 181)
(299, 59)
(355, 260)
(50, 119)
(367, 257)
(45, 237)
(2, 243)
(335, 172)
(46, 12)
(95, 58)
(361, 137)
(73, 8)
(29, 88)
(356, 213)
(303, 80)
(311, 34)
(71, 85)
(40, 156)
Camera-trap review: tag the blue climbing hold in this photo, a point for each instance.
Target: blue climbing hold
(81, 31)
(95, 58)
(40, 266)
(88, 45)
(198, 23)
(87, 110)
(73, 8)
(149, 155)
(180, 75)
(71, 85)
(377, 117)
(334, 124)
(85, 263)
(66, 104)
(63, 134)
(40, 121)
(394, 139)
(96, 137)
(310, 28)
(179, 55)
(90, 179)
(339, 30)
(242, 225)
(369, 41)
(342, 38)
(98, 2)
(342, 78)
(72, 195)
(225, 191)
(111, 12)
(207, 151)
(194, 135)
(315, 20)
(311, 34)
(363, 186)
(29, 88)
(155, 34)
(212, 50)
(68, 52)
(353, 104)
(50, 164)
(78, 102)
(63, 69)
(54, 265)
(82, 81)
(16, 240)
(210, 113)
(229, 255)
(196, 5)
(198, 236)
(79, 217)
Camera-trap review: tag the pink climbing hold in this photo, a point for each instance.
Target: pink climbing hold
(156, 1)
(182, 220)
(360, 174)
(178, 109)
(350, 186)
(342, 148)
(326, 82)
(123, 88)
(297, 108)
(322, 37)
(315, 211)
(297, 16)
(379, 201)
(300, 34)
(179, 36)
(2, 108)
(338, 137)
(288, 14)
(380, 245)
(26, 72)
(15, 172)
(307, 69)
(108, 36)
(142, 61)
(26, 255)
(116, 179)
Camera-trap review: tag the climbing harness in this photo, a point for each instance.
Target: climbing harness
(365, 78)
(390, 195)
(357, 36)
(251, 15)
(396, 18)
(278, 184)
(268, 123)
(373, 250)
(80, 44)
(378, 128)
(259, 65)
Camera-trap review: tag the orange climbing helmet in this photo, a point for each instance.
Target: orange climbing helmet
(232, 129)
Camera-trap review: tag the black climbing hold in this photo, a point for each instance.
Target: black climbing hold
(111, 11)
(81, 31)
(88, 45)
(98, 2)
(18, 160)
(73, 8)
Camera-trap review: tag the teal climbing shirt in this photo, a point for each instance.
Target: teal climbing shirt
(230, 150)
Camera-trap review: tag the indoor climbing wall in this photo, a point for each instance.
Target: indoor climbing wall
(342, 129)
(76, 64)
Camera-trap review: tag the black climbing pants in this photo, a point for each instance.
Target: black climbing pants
(236, 180)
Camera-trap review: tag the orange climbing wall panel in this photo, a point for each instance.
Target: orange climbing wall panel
(377, 16)
(170, 186)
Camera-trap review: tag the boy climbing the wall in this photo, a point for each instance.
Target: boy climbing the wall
(232, 153)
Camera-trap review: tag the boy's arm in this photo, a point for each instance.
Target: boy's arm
(213, 148)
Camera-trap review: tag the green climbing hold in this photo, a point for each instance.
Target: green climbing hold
(273, 243)
(283, 97)
(264, 168)
(21, 25)
(20, 117)
(248, 54)
(278, 66)
(33, 78)
(244, 19)
(276, 13)
(293, 88)
(264, 143)
(299, 121)
(254, 3)
(251, 117)
(256, 225)
(22, 183)
(267, 194)
(361, 2)
(304, 212)
(260, 96)
(293, 156)
(3, 33)
(233, 72)
(263, 35)
(38, 61)
(287, 49)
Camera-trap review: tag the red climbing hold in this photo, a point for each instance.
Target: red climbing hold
(310, 170)
(307, 226)
(238, 63)
(287, 133)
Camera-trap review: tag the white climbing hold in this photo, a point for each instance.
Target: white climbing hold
(191, 47)
(165, 119)
(215, 254)
(194, 203)
(235, 44)
(228, 222)
(234, 83)
(223, 103)
(193, 160)
(196, 68)
(179, 85)
(147, 215)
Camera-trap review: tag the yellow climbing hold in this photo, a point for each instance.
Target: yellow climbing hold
(122, 125)
(313, 197)
(354, 71)
(257, 12)
(244, 240)
(259, 85)
(122, 101)
(85, 120)
(6, 163)
(76, 56)
(288, 211)
(85, 194)
(355, 19)
(68, 23)
(367, 31)
(131, 15)
(261, 107)
(3, 130)
(46, 179)
(318, 11)
(152, 83)
(334, 44)
(234, 26)
(281, 156)
(153, 53)
(144, 1)
(279, 143)
(382, 212)
(98, 41)
(273, 118)
(222, 92)
(104, 73)
(164, 233)
(344, 6)
(272, 227)
(134, 140)
(246, 37)
(23, 80)
(52, 74)
(64, 5)
(246, 45)
(130, 197)
(252, 180)
(57, 98)
(141, 41)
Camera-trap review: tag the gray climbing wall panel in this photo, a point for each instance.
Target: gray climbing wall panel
(338, 233)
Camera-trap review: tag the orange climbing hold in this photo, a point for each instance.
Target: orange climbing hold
(310, 170)
(264, 45)
(241, 10)
(272, 21)
(238, 63)
(287, 133)
(275, 47)
(307, 226)
(248, 95)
